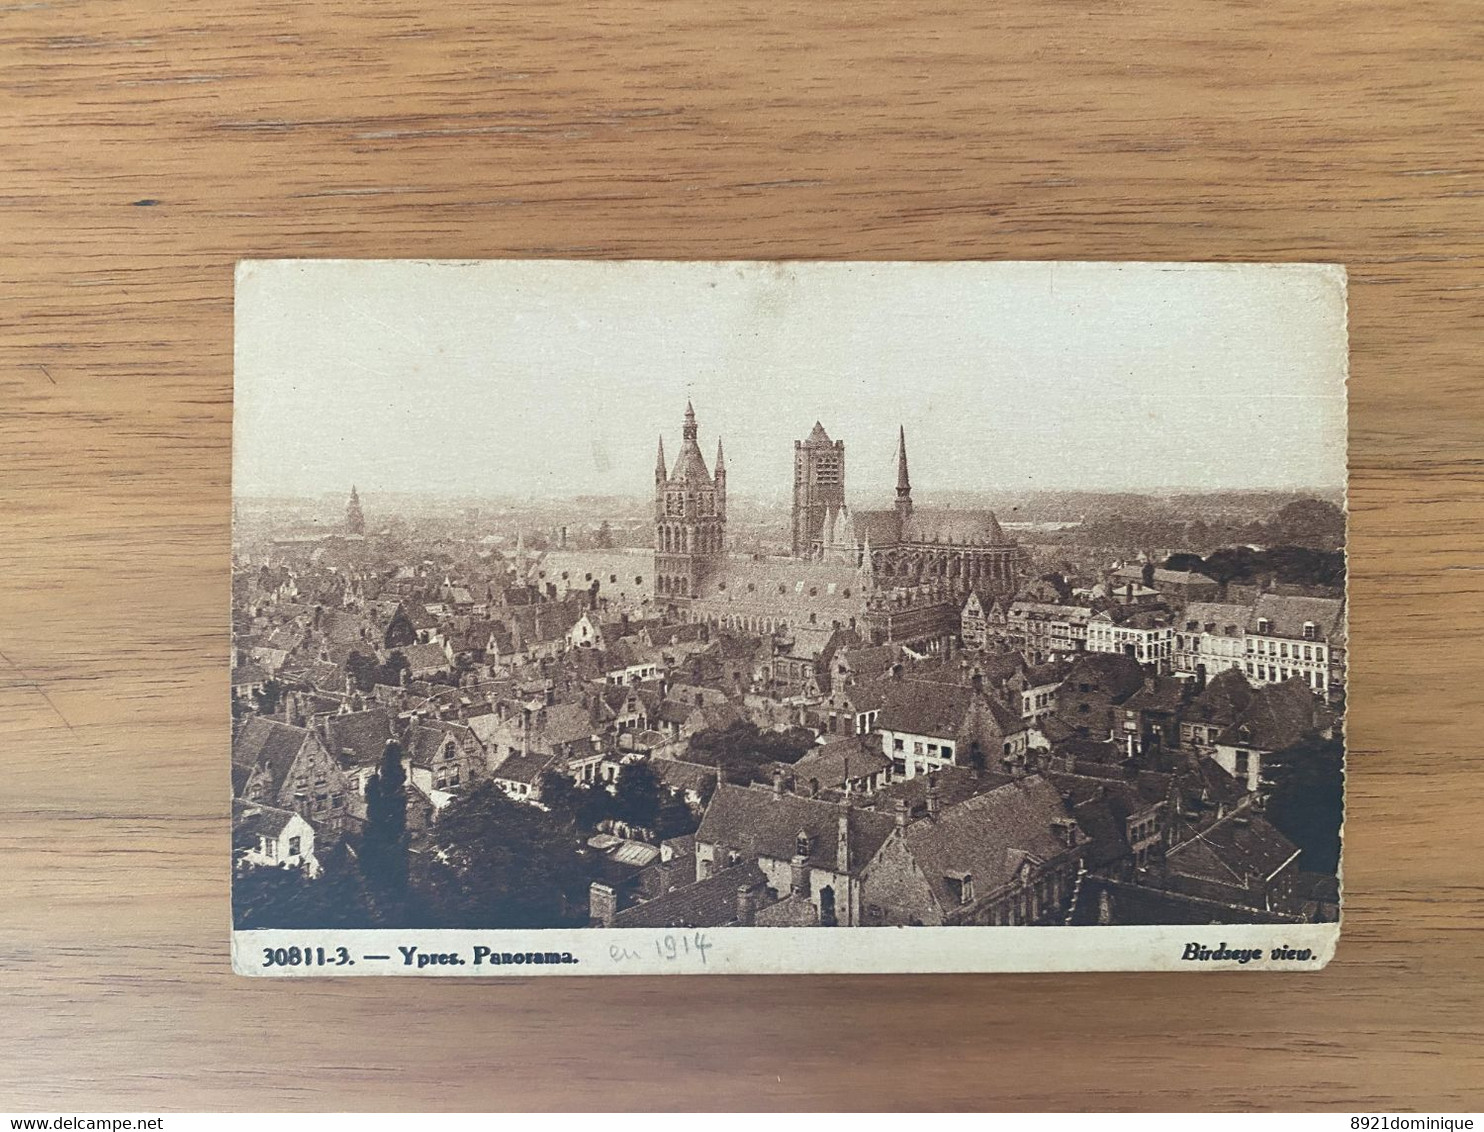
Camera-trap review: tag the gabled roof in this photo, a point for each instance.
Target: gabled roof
(1223, 699)
(522, 768)
(708, 903)
(1112, 674)
(762, 823)
(921, 707)
(423, 745)
(359, 737)
(252, 821)
(843, 758)
(425, 656)
(988, 837)
(267, 743)
(1277, 716)
(1240, 848)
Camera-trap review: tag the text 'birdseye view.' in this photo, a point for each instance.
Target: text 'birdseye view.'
(908, 696)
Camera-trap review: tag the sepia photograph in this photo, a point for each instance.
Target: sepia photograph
(632, 617)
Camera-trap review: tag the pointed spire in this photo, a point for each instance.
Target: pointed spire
(904, 484)
(689, 431)
(659, 462)
(721, 460)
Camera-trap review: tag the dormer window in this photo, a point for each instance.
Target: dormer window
(1311, 631)
(960, 886)
(803, 844)
(1264, 626)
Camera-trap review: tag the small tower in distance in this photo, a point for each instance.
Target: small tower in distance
(355, 521)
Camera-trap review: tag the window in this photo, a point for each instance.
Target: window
(1311, 631)
(613, 578)
(898, 745)
(293, 846)
(1263, 625)
(1244, 760)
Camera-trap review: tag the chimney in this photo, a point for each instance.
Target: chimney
(932, 796)
(798, 870)
(746, 905)
(896, 670)
(550, 693)
(525, 732)
(976, 681)
(778, 784)
(1149, 683)
(602, 903)
(902, 813)
(842, 846)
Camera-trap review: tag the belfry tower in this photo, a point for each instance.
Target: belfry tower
(819, 488)
(690, 516)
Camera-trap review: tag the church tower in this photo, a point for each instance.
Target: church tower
(904, 483)
(355, 522)
(819, 488)
(690, 517)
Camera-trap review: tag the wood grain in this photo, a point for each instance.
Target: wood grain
(146, 147)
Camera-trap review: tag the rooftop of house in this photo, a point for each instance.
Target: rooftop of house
(708, 903)
(764, 822)
(263, 742)
(1277, 716)
(989, 836)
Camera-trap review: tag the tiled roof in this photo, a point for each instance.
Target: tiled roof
(709, 903)
(921, 707)
(251, 821)
(1240, 846)
(1277, 716)
(759, 823)
(522, 768)
(855, 756)
(1223, 699)
(1287, 616)
(359, 736)
(265, 742)
(988, 836)
(1219, 618)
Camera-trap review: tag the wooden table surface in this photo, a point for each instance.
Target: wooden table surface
(145, 147)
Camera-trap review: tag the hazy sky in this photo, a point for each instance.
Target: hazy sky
(557, 377)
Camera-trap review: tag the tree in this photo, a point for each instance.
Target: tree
(636, 799)
(384, 839)
(503, 864)
(604, 538)
(1306, 799)
(675, 819)
(1310, 523)
(362, 670)
(1192, 563)
(267, 697)
(740, 749)
(288, 898)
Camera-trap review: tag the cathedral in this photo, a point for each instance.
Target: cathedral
(898, 574)
(904, 544)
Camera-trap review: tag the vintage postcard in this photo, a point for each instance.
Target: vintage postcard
(653, 617)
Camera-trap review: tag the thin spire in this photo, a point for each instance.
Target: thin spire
(721, 460)
(659, 462)
(903, 483)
